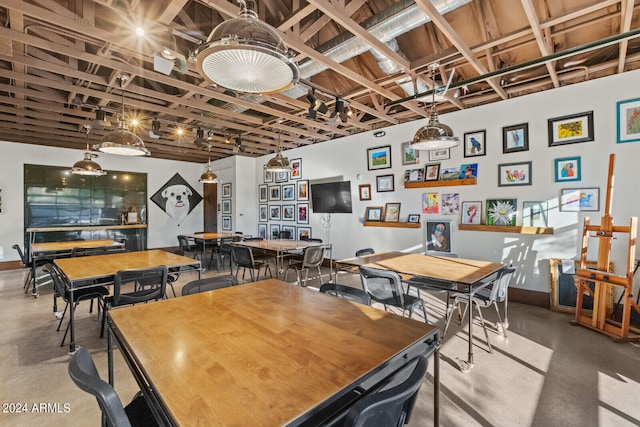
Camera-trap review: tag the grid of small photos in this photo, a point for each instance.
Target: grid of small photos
(226, 207)
(284, 204)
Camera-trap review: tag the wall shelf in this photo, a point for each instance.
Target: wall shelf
(519, 229)
(441, 183)
(392, 224)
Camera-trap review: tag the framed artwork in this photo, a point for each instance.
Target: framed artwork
(628, 120)
(384, 183)
(567, 169)
(502, 211)
(471, 213)
(379, 158)
(226, 190)
(570, 129)
(226, 223)
(263, 213)
(413, 218)
(268, 176)
(430, 203)
(474, 143)
(176, 198)
(513, 174)
(274, 213)
(288, 192)
(409, 156)
(439, 236)
(441, 154)
(289, 213)
(262, 193)
(469, 171)
(226, 206)
(303, 189)
(303, 213)
(365, 191)
(449, 173)
(535, 214)
(296, 171)
(304, 233)
(274, 231)
(373, 213)
(580, 199)
(563, 289)
(274, 193)
(515, 138)
(262, 230)
(281, 176)
(432, 172)
(414, 175)
(450, 203)
(392, 212)
(291, 229)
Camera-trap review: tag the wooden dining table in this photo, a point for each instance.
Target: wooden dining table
(209, 238)
(82, 271)
(444, 273)
(265, 353)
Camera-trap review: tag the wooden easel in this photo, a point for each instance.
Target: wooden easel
(603, 279)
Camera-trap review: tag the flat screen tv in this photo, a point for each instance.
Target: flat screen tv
(331, 197)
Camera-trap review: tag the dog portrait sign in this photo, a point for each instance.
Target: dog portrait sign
(177, 198)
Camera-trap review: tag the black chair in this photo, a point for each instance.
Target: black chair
(75, 252)
(365, 251)
(243, 258)
(80, 294)
(209, 284)
(346, 292)
(224, 252)
(392, 404)
(312, 257)
(285, 234)
(84, 374)
(154, 286)
(26, 264)
(187, 248)
(385, 287)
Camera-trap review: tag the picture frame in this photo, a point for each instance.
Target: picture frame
(303, 189)
(226, 206)
(468, 170)
(409, 155)
(441, 154)
(563, 291)
(515, 174)
(288, 192)
(430, 203)
(226, 223)
(450, 203)
(515, 138)
(274, 231)
(392, 212)
(570, 129)
(364, 190)
(471, 213)
(414, 175)
(384, 183)
(267, 176)
(438, 235)
(289, 213)
(535, 214)
(303, 233)
(274, 212)
(628, 121)
(296, 170)
(263, 213)
(281, 176)
(475, 143)
(447, 174)
(263, 194)
(374, 213)
(226, 189)
(379, 157)
(580, 199)
(303, 213)
(432, 172)
(274, 193)
(567, 169)
(501, 212)
(262, 230)
(413, 219)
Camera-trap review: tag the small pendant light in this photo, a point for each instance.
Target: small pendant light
(87, 166)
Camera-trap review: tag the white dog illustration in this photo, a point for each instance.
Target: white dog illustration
(177, 205)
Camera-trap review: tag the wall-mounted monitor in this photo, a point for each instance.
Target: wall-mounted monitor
(331, 197)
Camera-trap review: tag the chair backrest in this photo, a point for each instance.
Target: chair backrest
(391, 405)
(247, 239)
(88, 251)
(84, 374)
(209, 284)
(346, 292)
(56, 277)
(154, 277)
(365, 251)
(442, 254)
(23, 259)
(315, 240)
(284, 234)
(312, 256)
(185, 245)
(243, 256)
(383, 286)
(501, 284)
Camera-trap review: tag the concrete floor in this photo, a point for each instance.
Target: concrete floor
(546, 373)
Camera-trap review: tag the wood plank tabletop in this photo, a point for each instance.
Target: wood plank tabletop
(98, 266)
(83, 228)
(278, 245)
(68, 246)
(211, 236)
(259, 354)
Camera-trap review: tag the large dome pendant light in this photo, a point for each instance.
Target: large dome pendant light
(246, 54)
(121, 141)
(208, 177)
(434, 135)
(87, 166)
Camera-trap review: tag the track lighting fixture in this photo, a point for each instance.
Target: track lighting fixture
(155, 131)
(315, 105)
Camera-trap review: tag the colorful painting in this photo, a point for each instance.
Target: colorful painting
(450, 203)
(430, 203)
(512, 174)
(570, 129)
(469, 171)
(502, 211)
(567, 169)
(628, 120)
(580, 199)
(471, 213)
(409, 156)
(439, 236)
(515, 138)
(474, 143)
(379, 157)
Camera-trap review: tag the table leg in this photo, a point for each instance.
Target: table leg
(109, 352)
(436, 387)
(72, 336)
(34, 289)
